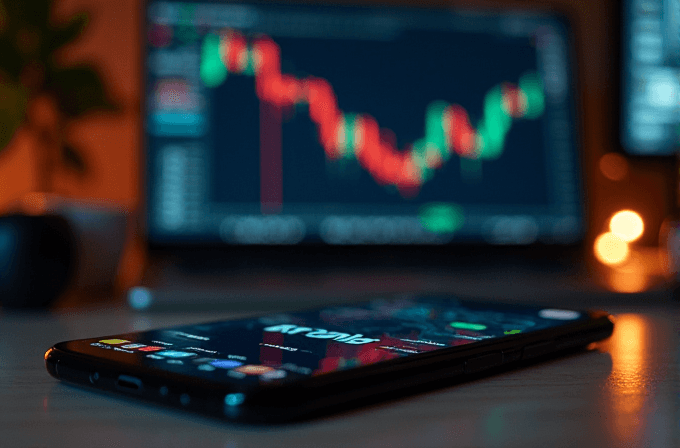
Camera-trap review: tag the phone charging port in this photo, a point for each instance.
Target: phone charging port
(129, 383)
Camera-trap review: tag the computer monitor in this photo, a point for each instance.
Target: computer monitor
(650, 84)
(314, 124)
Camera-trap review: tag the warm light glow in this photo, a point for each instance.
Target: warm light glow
(614, 166)
(627, 282)
(627, 225)
(611, 249)
(628, 384)
(636, 273)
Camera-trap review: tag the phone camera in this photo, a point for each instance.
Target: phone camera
(94, 377)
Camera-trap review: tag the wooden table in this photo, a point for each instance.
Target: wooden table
(625, 393)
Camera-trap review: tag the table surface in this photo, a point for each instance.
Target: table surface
(625, 392)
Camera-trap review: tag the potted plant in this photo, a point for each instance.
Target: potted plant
(41, 96)
(39, 93)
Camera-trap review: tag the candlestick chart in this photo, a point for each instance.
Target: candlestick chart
(356, 135)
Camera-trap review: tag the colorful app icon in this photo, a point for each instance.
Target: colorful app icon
(150, 348)
(551, 313)
(206, 367)
(113, 341)
(468, 326)
(274, 375)
(512, 331)
(226, 363)
(234, 374)
(252, 369)
(175, 354)
(132, 346)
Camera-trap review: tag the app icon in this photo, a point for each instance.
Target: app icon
(234, 374)
(512, 331)
(468, 326)
(550, 313)
(113, 341)
(154, 356)
(132, 346)
(226, 363)
(251, 369)
(274, 375)
(175, 354)
(150, 348)
(206, 367)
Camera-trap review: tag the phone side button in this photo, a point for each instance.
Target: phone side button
(483, 362)
(539, 349)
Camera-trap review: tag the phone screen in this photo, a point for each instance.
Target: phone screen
(285, 347)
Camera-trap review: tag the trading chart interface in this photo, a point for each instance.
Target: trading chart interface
(283, 124)
(650, 121)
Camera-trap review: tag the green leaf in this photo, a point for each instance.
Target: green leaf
(57, 37)
(34, 12)
(73, 158)
(3, 18)
(79, 90)
(11, 61)
(13, 102)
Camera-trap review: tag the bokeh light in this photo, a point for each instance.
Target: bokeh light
(627, 282)
(629, 385)
(610, 249)
(627, 225)
(631, 276)
(614, 166)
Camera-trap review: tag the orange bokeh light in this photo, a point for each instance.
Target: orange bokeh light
(629, 383)
(627, 225)
(628, 282)
(614, 166)
(610, 249)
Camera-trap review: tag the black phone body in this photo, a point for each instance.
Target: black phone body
(292, 366)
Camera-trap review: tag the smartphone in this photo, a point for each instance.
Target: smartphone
(292, 366)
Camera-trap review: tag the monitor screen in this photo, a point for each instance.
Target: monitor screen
(280, 124)
(650, 107)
